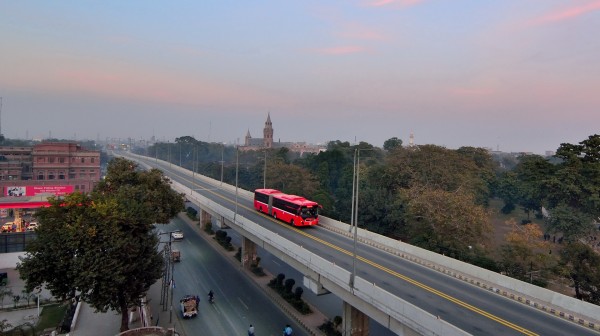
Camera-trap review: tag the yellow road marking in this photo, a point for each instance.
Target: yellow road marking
(383, 268)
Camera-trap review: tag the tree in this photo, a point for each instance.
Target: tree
(392, 143)
(581, 264)
(102, 245)
(446, 222)
(569, 221)
(524, 251)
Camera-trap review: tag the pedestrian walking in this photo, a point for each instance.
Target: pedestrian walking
(287, 331)
(251, 330)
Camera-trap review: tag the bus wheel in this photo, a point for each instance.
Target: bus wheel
(292, 222)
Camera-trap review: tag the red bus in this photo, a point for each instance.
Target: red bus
(292, 209)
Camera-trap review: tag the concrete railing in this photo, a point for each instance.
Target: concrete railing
(561, 305)
(398, 309)
(555, 303)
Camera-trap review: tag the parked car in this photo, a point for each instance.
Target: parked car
(177, 235)
(32, 226)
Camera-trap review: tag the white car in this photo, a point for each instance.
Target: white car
(32, 226)
(177, 235)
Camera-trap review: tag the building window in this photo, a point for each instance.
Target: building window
(61, 160)
(72, 176)
(77, 187)
(51, 160)
(51, 175)
(61, 175)
(82, 160)
(92, 160)
(40, 175)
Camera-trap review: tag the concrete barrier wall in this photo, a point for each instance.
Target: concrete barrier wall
(395, 307)
(537, 296)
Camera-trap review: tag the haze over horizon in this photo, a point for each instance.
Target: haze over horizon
(514, 75)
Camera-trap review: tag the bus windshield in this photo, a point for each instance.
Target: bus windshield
(308, 212)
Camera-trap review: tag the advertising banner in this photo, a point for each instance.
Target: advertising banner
(57, 190)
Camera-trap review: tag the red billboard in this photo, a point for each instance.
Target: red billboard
(57, 190)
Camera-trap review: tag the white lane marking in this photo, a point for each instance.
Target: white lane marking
(243, 304)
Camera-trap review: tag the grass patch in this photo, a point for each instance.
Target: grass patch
(51, 316)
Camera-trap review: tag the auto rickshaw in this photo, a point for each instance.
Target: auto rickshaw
(175, 255)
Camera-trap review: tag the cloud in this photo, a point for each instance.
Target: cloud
(401, 3)
(341, 50)
(566, 14)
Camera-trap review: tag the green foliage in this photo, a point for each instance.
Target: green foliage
(581, 264)
(392, 143)
(52, 315)
(223, 240)
(208, 228)
(192, 213)
(285, 290)
(329, 327)
(289, 284)
(102, 244)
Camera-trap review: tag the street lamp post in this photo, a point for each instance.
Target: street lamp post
(222, 161)
(237, 164)
(354, 209)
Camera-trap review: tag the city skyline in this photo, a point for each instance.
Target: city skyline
(518, 76)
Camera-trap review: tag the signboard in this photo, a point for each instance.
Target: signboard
(57, 190)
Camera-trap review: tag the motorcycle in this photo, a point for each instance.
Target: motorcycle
(211, 297)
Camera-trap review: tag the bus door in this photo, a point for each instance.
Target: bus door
(270, 205)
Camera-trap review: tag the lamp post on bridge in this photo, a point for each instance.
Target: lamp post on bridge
(237, 164)
(354, 209)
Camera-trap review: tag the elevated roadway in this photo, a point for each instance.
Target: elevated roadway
(412, 293)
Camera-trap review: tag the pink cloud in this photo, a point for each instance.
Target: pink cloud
(341, 50)
(402, 3)
(567, 14)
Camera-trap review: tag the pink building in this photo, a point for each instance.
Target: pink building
(48, 167)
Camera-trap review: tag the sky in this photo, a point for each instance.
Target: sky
(511, 75)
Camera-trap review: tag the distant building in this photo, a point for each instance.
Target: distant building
(266, 142)
(48, 167)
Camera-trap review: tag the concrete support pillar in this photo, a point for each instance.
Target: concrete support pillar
(205, 217)
(248, 252)
(355, 323)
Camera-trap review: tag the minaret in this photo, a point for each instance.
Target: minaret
(248, 137)
(268, 133)
(411, 139)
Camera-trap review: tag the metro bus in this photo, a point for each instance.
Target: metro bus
(296, 210)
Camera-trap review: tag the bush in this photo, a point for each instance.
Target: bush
(525, 221)
(192, 213)
(289, 284)
(298, 293)
(208, 228)
(238, 254)
(329, 327)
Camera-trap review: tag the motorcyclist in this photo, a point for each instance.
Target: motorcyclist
(211, 296)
